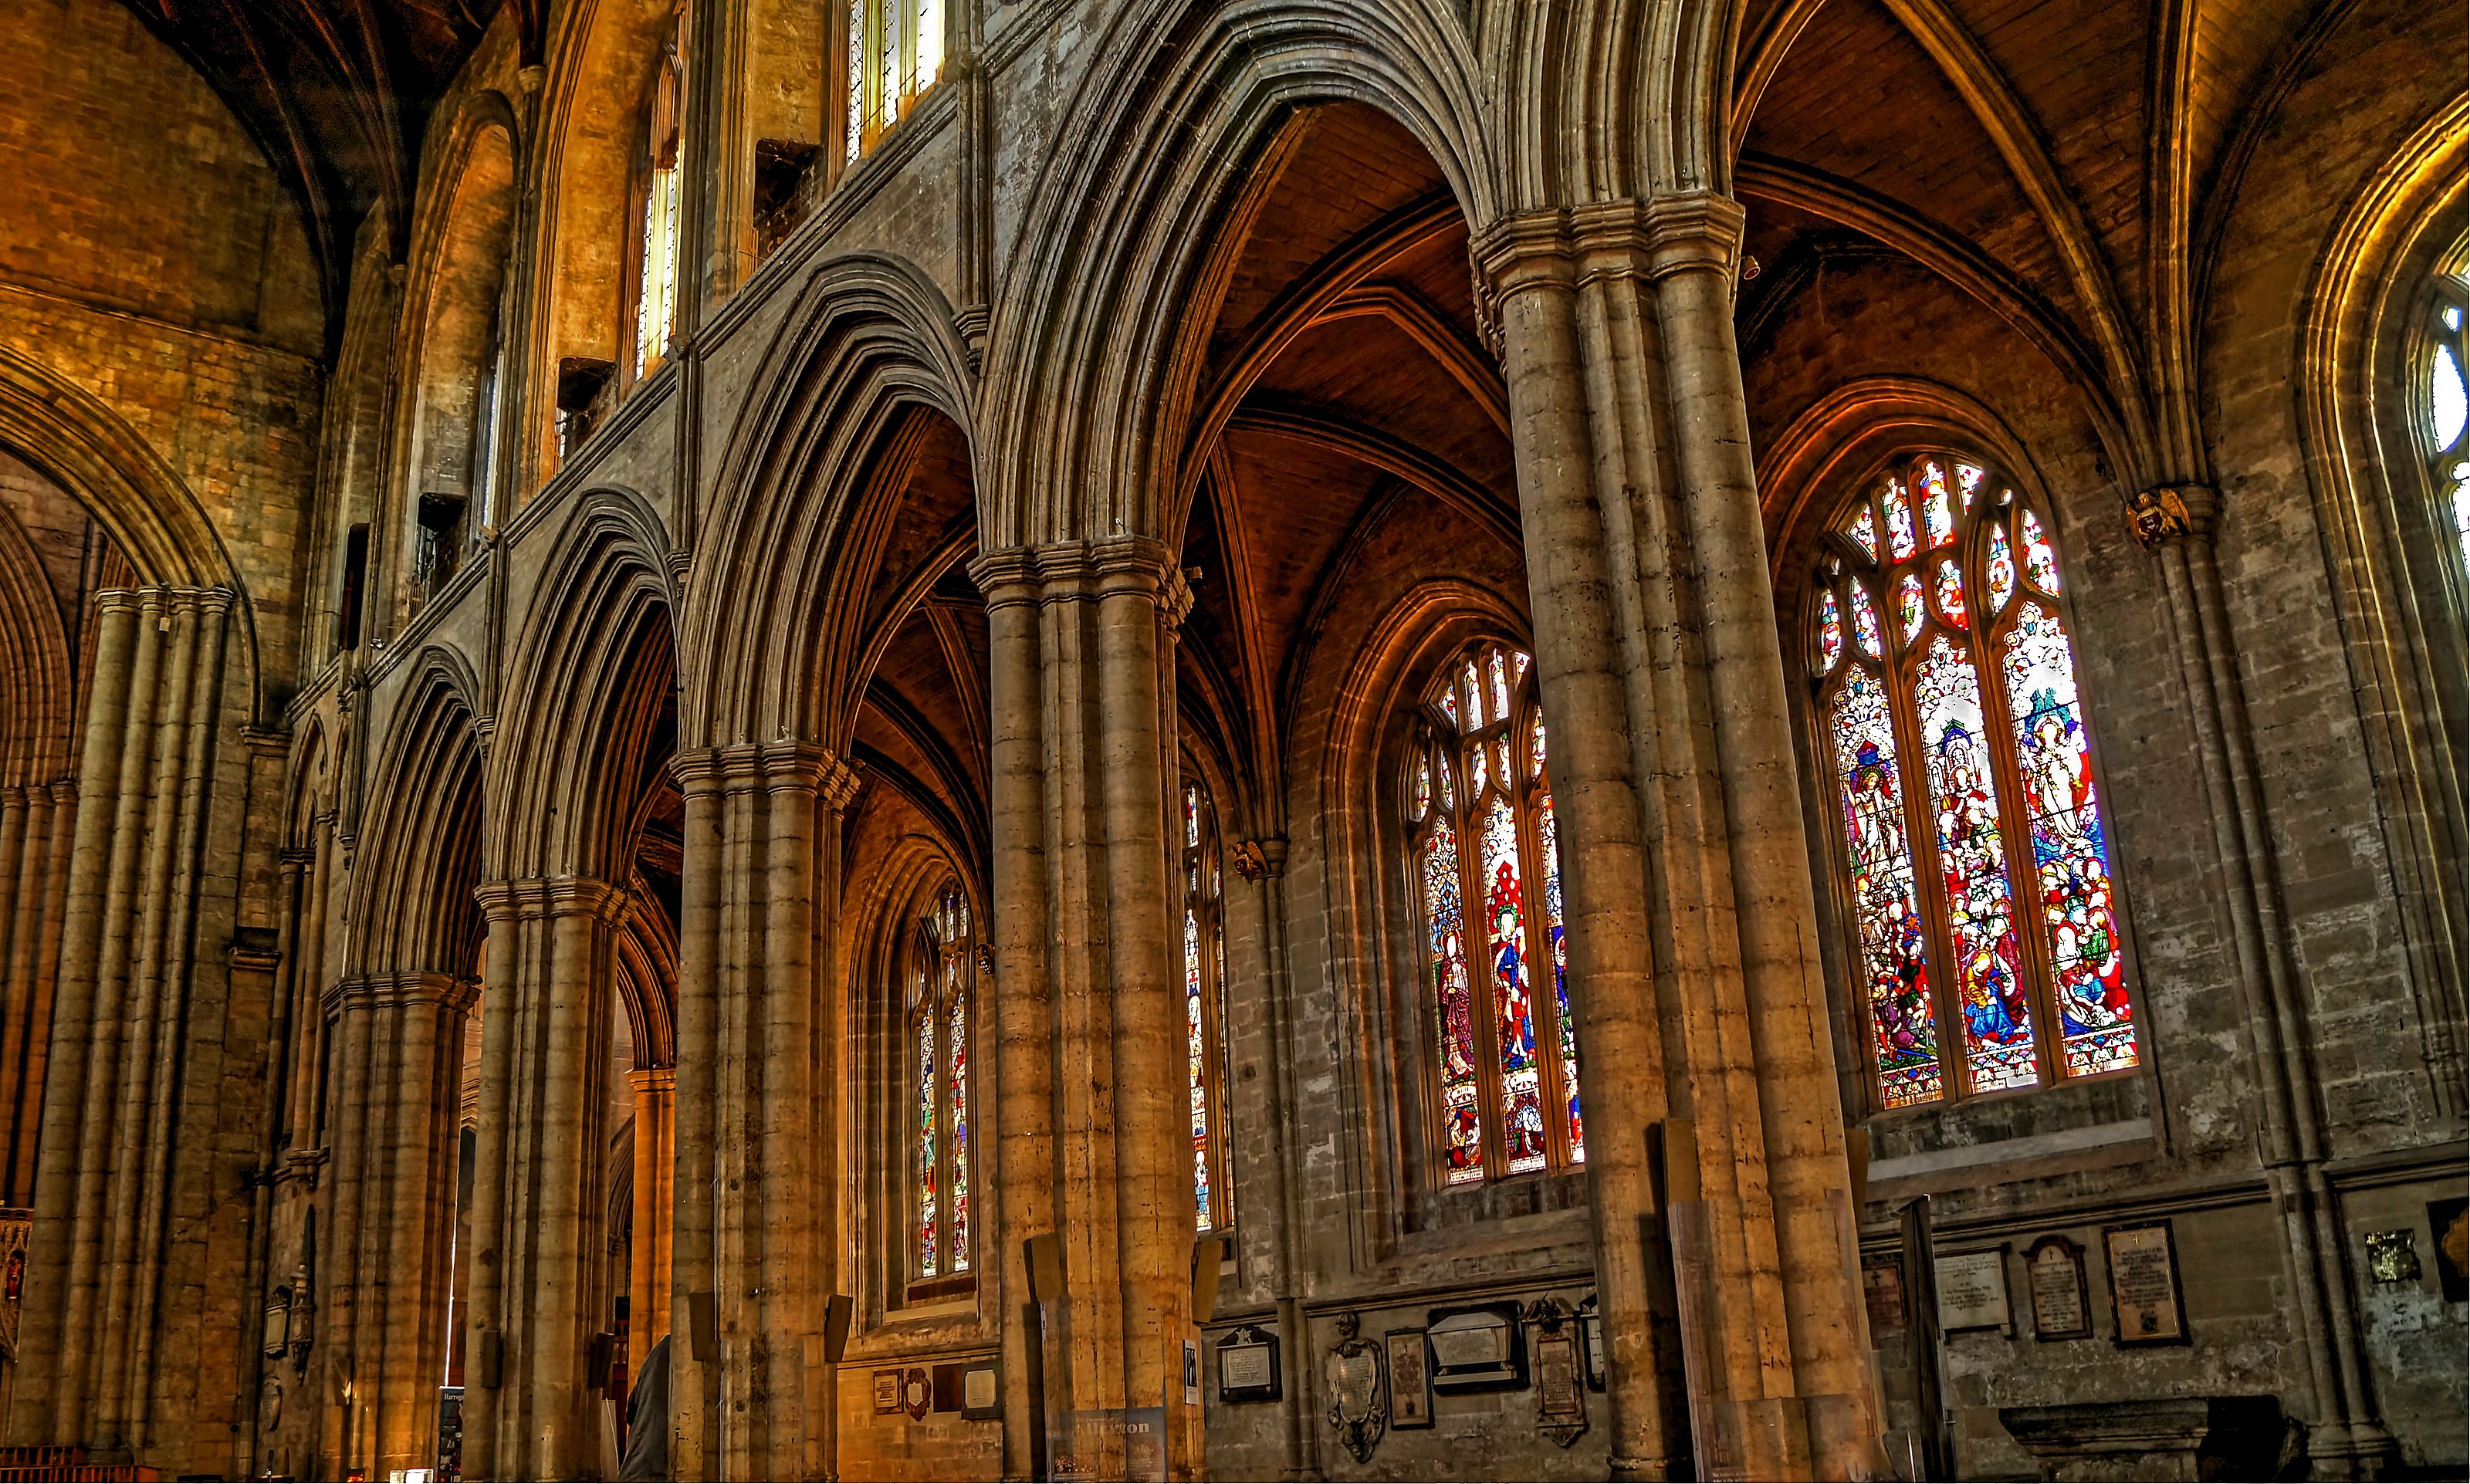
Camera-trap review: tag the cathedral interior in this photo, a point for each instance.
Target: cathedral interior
(759, 739)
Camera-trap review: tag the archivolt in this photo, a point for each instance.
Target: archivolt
(35, 689)
(88, 450)
(423, 840)
(869, 336)
(596, 658)
(1097, 336)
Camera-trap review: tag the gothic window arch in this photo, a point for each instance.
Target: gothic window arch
(1971, 847)
(1204, 1009)
(940, 1234)
(1477, 801)
(660, 202)
(895, 52)
(2442, 377)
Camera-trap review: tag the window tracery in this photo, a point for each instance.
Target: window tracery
(941, 1245)
(895, 52)
(1974, 853)
(1478, 806)
(1205, 1011)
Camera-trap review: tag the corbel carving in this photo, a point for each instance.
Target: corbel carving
(2167, 513)
(1255, 860)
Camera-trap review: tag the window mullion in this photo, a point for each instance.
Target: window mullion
(1540, 993)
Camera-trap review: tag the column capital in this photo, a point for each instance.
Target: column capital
(652, 1079)
(551, 896)
(2168, 514)
(417, 988)
(1064, 568)
(810, 766)
(1568, 247)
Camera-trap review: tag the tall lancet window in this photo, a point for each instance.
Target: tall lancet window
(1204, 1012)
(1479, 805)
(661, 223)
(1973, 855)
(895, 52)
(939, 1106)
(2446, 394)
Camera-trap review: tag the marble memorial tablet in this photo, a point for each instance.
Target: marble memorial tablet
(1972, 1291)
(1410, 1390)
(1248, 1365)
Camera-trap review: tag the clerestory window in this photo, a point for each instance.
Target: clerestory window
(895, 52)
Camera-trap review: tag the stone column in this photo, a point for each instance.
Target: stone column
(536, 1197)
(1116, 1164)
(136, 872)
(1694, 965)
(757, 1052)
(1023, 1116)
(2345, 1438)
(647, 1279)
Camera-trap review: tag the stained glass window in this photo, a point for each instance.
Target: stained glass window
(939, 1167)
(1505, 1052)
(895, 52)
(1204, 1012)
(1975, 865)
(660, 175)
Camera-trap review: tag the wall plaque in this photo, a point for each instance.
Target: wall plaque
(2392, 1257)
(916, 1392)
(1883, 1292)
(1476, 1348)
(1410, 1379)
(1560, 1392)
(2054, 1274)
(2144, 1298)
(1358, 1396)
(1591, 1335)
(980, 1397)
(1972, 1291)
(1248, 1365)
(887, 1392)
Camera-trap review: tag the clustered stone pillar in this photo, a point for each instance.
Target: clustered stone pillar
(1090, 1079)
(38, 825)
(389, 1227)
(2346, 1439)
(127, 970)
(648, 1259)
(539, 1188)
(1661, 678)
(755, 1236)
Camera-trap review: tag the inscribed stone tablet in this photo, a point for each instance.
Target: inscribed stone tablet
(1972, 1291)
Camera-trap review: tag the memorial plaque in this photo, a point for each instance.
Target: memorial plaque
(887, 1392)
(1410, 1379)
(1248, 1365)
(1560, 1391)
(2144, 1298)
(1478, 1349)
(1972, 1291)
(2054, 1274)
(1591, 1335)
(980, 1397)
(1882, 1290)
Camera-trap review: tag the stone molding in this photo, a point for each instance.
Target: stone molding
(414, 989)
(1569, 248)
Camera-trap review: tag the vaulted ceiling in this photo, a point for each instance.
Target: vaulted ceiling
(336, 92)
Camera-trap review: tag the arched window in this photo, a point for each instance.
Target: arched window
(939, 1052)
(2446, 397)
(1479, 808)
(1976, 861)
(1204, 1012)
(896, 50)
(656, 277)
